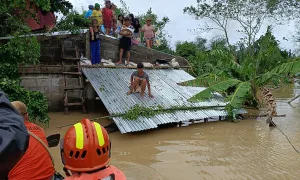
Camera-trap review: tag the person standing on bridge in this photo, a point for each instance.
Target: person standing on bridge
(139, 80)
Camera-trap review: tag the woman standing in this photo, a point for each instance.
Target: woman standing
(97, 14)
(132, 20)
(107, 17)
(119, 25)
(120, 20)
(95, 42)
(137, 30)
(149, 33)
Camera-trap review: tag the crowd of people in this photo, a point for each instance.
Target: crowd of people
(128, 29)
(86, 147)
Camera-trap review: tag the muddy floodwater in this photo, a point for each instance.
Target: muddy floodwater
(248, 149)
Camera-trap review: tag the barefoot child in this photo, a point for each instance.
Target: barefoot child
(125, 41)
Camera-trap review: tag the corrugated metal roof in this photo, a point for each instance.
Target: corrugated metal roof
(112, 85)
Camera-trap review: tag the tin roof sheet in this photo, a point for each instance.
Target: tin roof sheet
(112, 85)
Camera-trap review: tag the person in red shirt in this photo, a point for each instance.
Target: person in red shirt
(107, 14)
(36, 163)
(85, 153)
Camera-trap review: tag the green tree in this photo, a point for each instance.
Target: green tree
(19, 50)
(73, 22)
(241, 82)
(159, 25)
(60, 6)
(186, 49)
(249, 14)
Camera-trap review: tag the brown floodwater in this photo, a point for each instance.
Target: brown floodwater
(248, 149)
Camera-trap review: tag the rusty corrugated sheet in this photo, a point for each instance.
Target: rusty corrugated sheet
(41, 19)
(112, 85)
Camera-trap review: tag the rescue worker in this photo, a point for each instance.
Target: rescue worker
(13, 136)
(36, 162)
(86, 151)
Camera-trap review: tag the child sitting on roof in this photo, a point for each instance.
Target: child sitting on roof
(139, 80)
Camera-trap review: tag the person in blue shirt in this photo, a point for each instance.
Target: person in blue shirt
(88, 14)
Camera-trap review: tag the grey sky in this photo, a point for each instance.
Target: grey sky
(180, 23)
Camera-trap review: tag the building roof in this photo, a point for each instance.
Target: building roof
(112, 85)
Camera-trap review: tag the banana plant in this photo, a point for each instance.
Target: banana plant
(246, 85)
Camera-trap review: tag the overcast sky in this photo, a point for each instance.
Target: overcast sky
(180, 23)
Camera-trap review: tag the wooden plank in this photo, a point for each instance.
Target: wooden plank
(73, 73)
(132, 67)
(76, 88)
(71, 58)
(74, 104)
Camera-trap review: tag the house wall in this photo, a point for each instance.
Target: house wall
(47, 77)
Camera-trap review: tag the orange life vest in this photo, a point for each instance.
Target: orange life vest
(104, 174)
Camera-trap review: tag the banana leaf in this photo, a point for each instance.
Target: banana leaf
(237, 99)
(287, 69)
(204, 81)
(219, 87)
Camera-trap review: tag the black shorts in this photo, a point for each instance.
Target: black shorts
(125, 43)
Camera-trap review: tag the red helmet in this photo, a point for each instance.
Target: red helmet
(85, 147)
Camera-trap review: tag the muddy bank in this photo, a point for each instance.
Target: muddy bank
(220, 150)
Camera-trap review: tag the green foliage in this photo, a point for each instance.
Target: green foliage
(204, 80)
(73, 22)
(21, 51)
(159, 25)
(218, 87)
(186, 49)
(286, 69)
(61, 6)
(239, 72)
(249, 14)
(35, 101)
(13, 53)
(139, 111)
(239, 96)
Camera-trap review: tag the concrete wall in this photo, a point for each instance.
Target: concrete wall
(51, 85)
(51, 47)
(47, 77)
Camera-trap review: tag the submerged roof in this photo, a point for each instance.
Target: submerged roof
(112, 85)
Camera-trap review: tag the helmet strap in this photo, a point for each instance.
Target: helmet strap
(66, 171)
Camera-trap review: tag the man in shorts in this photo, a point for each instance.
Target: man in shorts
(125, 41)
(139, 80)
